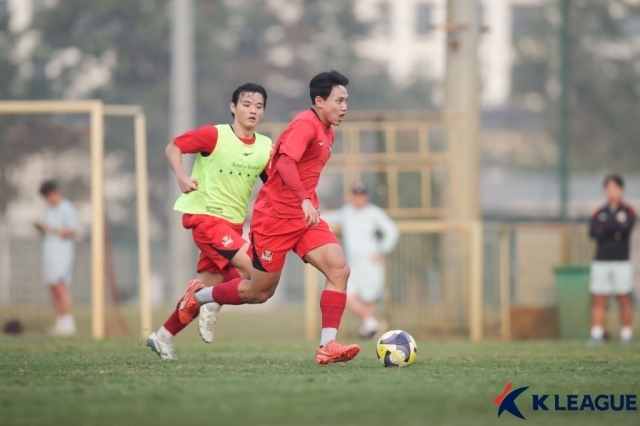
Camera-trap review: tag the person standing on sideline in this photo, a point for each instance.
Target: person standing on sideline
(611, 271)
(58, 228)
(369, 234)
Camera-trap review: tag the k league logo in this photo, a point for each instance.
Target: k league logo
(506, 401)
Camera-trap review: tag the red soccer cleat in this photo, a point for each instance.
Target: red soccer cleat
(189, 308)
(335, 352)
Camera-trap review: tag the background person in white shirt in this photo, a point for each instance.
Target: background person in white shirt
(368, 235)
(58, 228)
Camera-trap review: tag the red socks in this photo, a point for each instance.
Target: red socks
(173, 324)
(332, 305)
(224, 294)
(227, 293)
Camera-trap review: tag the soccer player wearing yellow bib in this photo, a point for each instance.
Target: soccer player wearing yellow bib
(214, 200)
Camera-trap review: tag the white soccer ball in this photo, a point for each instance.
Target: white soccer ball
(396, 348)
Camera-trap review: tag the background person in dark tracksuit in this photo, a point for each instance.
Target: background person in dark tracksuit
(612, 271)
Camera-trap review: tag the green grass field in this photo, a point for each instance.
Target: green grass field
(240, 380)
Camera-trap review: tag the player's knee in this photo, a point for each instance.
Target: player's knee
(345, 271)
(264, 296)
(341, 274)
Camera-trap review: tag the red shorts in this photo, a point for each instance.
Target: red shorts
(272, 238)
(217, 239)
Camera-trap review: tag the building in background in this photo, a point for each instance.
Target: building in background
(408, 36)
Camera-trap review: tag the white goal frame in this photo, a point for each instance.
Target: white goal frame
(97, 111)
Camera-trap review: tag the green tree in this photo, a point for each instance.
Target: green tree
(279, 43)
(605, 95)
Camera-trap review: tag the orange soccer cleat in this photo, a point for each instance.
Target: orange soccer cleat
(188, 308)
(335, 352)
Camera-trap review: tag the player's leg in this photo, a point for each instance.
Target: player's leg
(220, 244)
(600, 288)
(208, 273)
(598, 311)
(271, 239)
(370, 323)
(366, 284)
(320, 247)
(65, 324)
(258, 289)
(207, 318)
(239, 267)
(55, 298)
(329, 259)
(626, 318)
(239, 291)
(223, 250)
(266, 266)
(355, 305)
(365, 311)
(623, 286)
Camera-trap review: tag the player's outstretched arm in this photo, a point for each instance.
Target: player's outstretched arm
(174, 156)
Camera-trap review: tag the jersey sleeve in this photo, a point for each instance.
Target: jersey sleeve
(296, 139)
(594, 229)
(199, 141)
(291, 178)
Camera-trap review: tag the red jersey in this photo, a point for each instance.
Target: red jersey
(202, 141)
(308, 141)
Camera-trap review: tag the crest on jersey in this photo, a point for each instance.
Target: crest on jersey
(227, 241)
(621, 216)
(267, 256)
(321, 143)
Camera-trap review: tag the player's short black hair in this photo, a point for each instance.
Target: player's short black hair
(322, 84)
(47, 187)
(248, 88)
(614, 177)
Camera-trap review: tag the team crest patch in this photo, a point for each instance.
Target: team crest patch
(267, 256)
(621, 216)
(227, 241)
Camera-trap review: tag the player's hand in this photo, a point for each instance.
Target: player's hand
(42, 227)
(187, 184)
(311, 214)
(378, 257)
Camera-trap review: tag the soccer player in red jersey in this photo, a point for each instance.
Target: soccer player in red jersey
(286, 218)
(214, 200)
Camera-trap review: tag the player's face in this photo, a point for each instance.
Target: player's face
(53, 198)
(613, 192)
(335, 107)
(249, 110)
(360, 200)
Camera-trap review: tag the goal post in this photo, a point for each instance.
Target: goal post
(97, 111)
